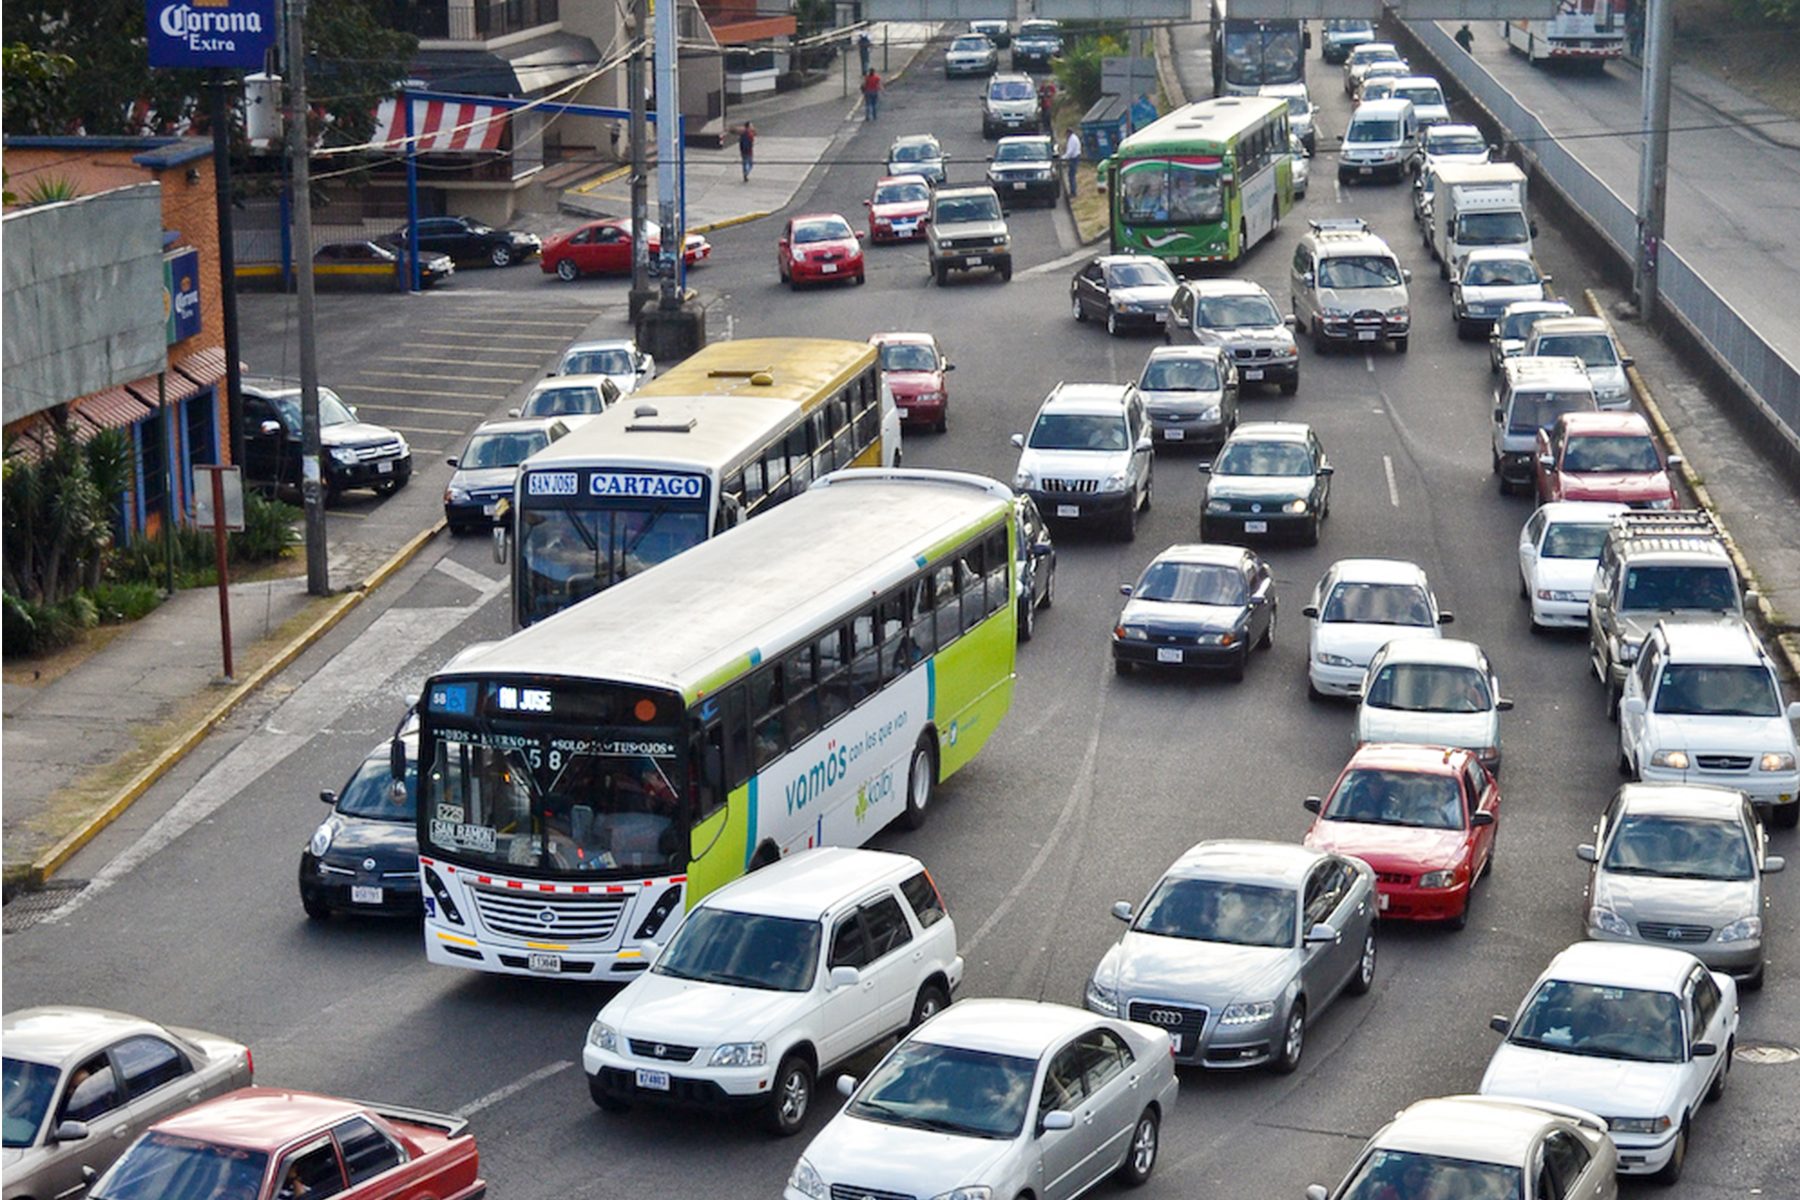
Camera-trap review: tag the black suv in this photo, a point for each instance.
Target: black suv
(354, 453)
(465, 239)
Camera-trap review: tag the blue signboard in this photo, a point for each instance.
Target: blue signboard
(210, 33)
(181, 293)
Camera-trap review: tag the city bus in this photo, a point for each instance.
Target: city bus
(1249, 53)
(1204, 183)
(805, 679)
(1582, 31)
(728, 434)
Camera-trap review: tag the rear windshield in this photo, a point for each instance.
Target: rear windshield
(1673, 588)
(1594, 349)
(1010, 89)
(1532, 411)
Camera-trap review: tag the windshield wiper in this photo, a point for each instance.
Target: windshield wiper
(741, 980)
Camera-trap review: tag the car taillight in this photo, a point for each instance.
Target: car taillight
(249, 1063)
(936, 892)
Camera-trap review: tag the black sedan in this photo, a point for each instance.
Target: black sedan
(1124, 290)
(465, 239)
(366, 264)
(1196, 606)
(1037, 566)
(364, 858)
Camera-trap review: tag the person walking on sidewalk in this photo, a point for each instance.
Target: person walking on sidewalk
(1072, 157)
(747, 147)
(1465, 37)
(863, 46)
(871, 88)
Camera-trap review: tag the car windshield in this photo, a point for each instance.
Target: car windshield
(1518, 324)
(1237, 312)
(29, 1087)
(1568, 539)
(502, 449)
(564, 401)
(1504, 272)
(1079, 431)
(911, 152)
(1372, 129)
(1674, 588)
(1411, 798)
(1734, 690)
(1532, 411)
(1299, 105)
(1359, 271)
(1210, 910)
(1010, 89)
(956, 210)
(831, 229)
(716, 945)
(1409, 1175)
(1611, 452)
(164, 1166)
(903, 193)
(908, 356)
(1422, 97)
(332, 411)
(1180, 375)
(949, 1089)
(1492, 229)
(1429, 687)
(1680, 848)
(1376, 89)
(1155, 192)
(1264, 458)
(977, 42)
(1022, 152)
(1373, 54)
(1378, 604)
(1040, 29)
(1594, 349)
(371, 793)
(599, 362)
(1454, 143)
(1602, 1022)
(1345, 25)
(1151, 273)
(1191, 583)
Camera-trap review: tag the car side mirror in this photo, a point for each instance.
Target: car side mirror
(1179, 320)
(397, 758)
(1322, 935)
(450, 462)
(868, 204)
(1499, 413)
(1634, 706)
(1312, 804)
(1774, 864)
(1406, 274)
(1503, 704)
(328, 796)
(1289, 321)
(1534, 229)
(1587, 852)
(1445, 618)
(1124, 589)
(1627, 361)
(844, 977)
(1018, 439)
(846, 1085)
(1311, 610)
(1205, 468)
(1705, 1049)
(1793, 711)
(1316, 1191)
(70, 1131)
(1546, 461)
(1675, 460)
(1547, 279)
(1480, 819)
(1042, 550)
(1146, 446)
(269, 428)
(949, 366)
(1306, 279)
(512, 412)
(1056, 1122)
(1326, 469)
(1122, 908)
(1499, 1024)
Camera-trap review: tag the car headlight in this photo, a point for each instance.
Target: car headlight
(1744, 929)
(1607, 921)
(978, 1191)
(344, 456)
(806, 1181)
(1287, 351)
(1208, 413)
(602, 1036)
(1102, 999)
(456, 495)
(1002, 239)
(1638, 1124)
(740, 1054)
(1399, 313)
(1295, 506)
(1628, 652)
(1332, 660)
(1334, 314)
(1132, 633)
(1218, 506)
(1777, 762)
(1675, 760)
(1438, 879)
(1114, 482)
(1247, 1014)
(1215, 639)
(798, 253)
(321, 840)
(1552, 594)
(1023, 479)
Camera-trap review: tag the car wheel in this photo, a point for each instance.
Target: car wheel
(1076, 306)
(1461, 920)
(1128, 524)
(1400, 345)
(1443, 268)
(1320, 345)
(1006, 271)
(861, 278)
(1785, 816)
(1364, 979)
(1312, 531)
(1718, 1084)
(388, 487)
(1313, 693)
(1140, 1156)
(1752, 982)
(1624, 762)
(1050, 598)
(501, 256)
(1524, 592)
(1112, 323)
(1293, 1041)
(1027, 619)
(1149, 491)
(1612, 697)
(930, 1001)
(1268, 637)
(790, 1098)
(567, 271)
(1290, 386)
(1671, 1172)
(940, 273)
(315, 906)
(921, 783)
(1121, 667)
(604, 1100)
(943, 425)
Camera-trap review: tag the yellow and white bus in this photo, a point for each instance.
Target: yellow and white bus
(803, 680)
(728, 434)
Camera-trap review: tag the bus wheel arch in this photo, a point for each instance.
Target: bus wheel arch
(767, 853)
(921, 779)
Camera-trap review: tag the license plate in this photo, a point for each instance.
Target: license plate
(1018, 187)
(1175, 435)
(1256, 527)
(828, 268)
(905, 226)
(487, 510)
(549, 964)
(1365, 335)
(384, 468)
(1252, 373)
(360, 894)
(1175, 1042)
(1381, 901)
(1164, 654)
(1365, 170)
(1068, 510)
(655, 1081)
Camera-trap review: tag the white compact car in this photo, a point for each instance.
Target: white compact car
(1506, 338)
(774, 978)
(1641, 1035)
(1559, 551)
(619, 359)
(1591, 340)
(1088, 456)
(577, 399)
(1433, 692)
(998, 1098)
(1359, 606)
(1490, 280)
(1427, 98)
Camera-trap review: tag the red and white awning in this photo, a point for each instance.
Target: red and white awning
(441, 126)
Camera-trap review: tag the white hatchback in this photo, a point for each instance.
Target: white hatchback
(1433, 692)
(1359, 606)
(1559, 551)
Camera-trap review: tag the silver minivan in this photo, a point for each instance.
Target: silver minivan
(1533, 392)
(1381, 140)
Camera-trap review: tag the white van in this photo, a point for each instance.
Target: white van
(1382, 140)
(1427, 97)
(1533, 393)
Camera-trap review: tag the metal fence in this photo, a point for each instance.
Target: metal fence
(1769, 376)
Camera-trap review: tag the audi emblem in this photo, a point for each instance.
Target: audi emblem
(1163, 1016)
(546, 916)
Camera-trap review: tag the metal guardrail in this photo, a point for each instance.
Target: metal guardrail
(1769, 376)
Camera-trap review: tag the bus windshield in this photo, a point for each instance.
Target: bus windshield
(568, 554)
(1257, 53)
(1171, 193)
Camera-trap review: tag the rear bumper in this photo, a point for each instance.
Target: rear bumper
(1203, 657)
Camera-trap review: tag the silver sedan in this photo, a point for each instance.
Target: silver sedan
(998, 1098)
(1238, 946)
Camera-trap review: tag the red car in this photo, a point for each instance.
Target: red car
(604, 248)
(1606, 456)
(261, 1143)
(819, 248)
(898, 207)
(913, 366)
(1424, 817)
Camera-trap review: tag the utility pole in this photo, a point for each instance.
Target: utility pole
(668, 153)
(312, 481)
(234, 383)
(1653, 165)
(640, 204)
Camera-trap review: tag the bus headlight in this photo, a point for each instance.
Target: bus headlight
(659, 912)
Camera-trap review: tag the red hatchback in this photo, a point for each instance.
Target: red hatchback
(267, 1144)
(819, 248)
(604, 248)
(1605, 456)
(913, 366)
(1424, 817)
(898, 207)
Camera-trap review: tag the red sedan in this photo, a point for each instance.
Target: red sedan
(913, 366)
(897, 209)
(267, 1144)
(1424, 817)
(1605, 456)
(819, 248)
(604, 248)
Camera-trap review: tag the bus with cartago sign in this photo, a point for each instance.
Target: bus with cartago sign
(725, 436)
(804, 680)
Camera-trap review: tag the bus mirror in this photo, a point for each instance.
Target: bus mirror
(500, 540)
(397, 759)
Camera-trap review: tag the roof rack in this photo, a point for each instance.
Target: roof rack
(1338, 225)
(1668, 523)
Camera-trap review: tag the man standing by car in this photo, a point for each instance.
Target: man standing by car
(871, 89)
(1072, 156)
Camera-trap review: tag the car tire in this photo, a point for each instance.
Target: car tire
(1753, 982)
(1460, 921)
(315, 906)
(567, 271)
(1140, 1152)
(388, 487)
(931, 1000)
(1443, 267)
(1127, 527)
(604, 1100)
(940, 273)
(1313, 693)
(942, 426)
(501, 256)
(1235, 672)
(1027, 619)
(1311, 536)
(1268, 637)
(1671, 1172)
(921, 783)
(1364, 979)
(1320, 345)
(1293, 1041)
(1290, 386)
(1717, 1088)
(790, 1097)
(1400, 345)
(1785, 816)
(1006, 271)
(1112, 323)
(1149, 490)
(861, 278)
(1050, 598)
(1079, 311)
(1611, 697)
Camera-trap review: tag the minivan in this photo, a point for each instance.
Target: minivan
(1382, 140)
(1533, 392)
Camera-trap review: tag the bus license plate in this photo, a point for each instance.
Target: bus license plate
(547, 964)
(1253, 373)
(384, 468)
(655, 1081)
(1175, 435)
(1365, 335)
(1068, 510)
(1164, 654)
(360, 894)
(1256, 527)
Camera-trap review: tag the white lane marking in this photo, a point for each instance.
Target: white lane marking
(1057, 264)
(1387, 464)
(1369, 363)
(512, 1089)
(487, 586)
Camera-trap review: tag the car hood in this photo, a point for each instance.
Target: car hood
(1259, 487)
(835, 246)
(1022, 167)
(394, 845)
(1212, 973)
(1744, 735)
(1501, 293)
(1158, 294)
(1358, 299)
(1476, 731)
(663, 1008)
(1608, 1086)
(356, 433)
(1358, 642)
(484, 479)
(901, 210)
(1402, 848)
(911, 383)
(1567, 574)
(1250, 335)
(1624, 486)
(1712, 902)
(1193, 399)
(963, 229)
(1166, 614)
(1075, 464)
(912, 1162)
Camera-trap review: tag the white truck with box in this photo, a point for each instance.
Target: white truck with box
(1475, 206)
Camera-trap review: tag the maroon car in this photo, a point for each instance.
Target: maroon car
(898, 207)
(913, 366)
(1606, 456)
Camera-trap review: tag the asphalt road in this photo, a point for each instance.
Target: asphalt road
(1090, 787)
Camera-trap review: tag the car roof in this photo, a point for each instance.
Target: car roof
(902, 338)
(1042, 138)
(1190, 350)
(1494, 1129)
(1113, 260)
(554, 382)
(56, 1033)
(1367, 46)
(1414, 757)
(915, 139)
(1591, 512)
(1329, 243)
(1387, 106)
(1622, 964)
(1009, 77)
(1022, 1028)
(259, 1118)
(518, 425)
(1724, 642)
(1548, 370)
(945, 193)
(618, 343)
(1207, 288)
(1525, 306)
(818, 216)
(1246, 860)
(1418, 81)
(1491, 253)
(1571, 324)
(908, 177)
(810, 883)
(1458, 652)
(1378, 570)
(1089, 397)
(1604, 422)
(1682, 800)
(1451, 129)
(1270, 431)
(1203, 552)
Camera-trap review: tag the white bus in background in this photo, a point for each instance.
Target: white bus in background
(1586, 31)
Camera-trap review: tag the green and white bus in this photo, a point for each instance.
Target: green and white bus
(1204, 183)
(804, 679)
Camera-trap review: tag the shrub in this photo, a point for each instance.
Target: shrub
(33, 628)
(270, 527)
(128, 601)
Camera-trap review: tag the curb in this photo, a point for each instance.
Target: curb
(600, 180)
(728, 222)
(52, 860)
(1698, 487)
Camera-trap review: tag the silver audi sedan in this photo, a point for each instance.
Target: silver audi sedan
(1237, 947)
(998, 1098)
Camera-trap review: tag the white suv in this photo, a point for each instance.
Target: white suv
(1346, 287)
(1702, 704)
(1088, 455)
(772, 980)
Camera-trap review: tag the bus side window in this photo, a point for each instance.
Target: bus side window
(843, 427)
(867, 402)
(865, 656)
(803, 699)
(971, 585)
(897, 644)
(944, 602)
(799, 460)
(753, 484)
(765, 710)
(706, 769)
(999, 578)
(834, 676)
(919, 611)
(737, 737)
(824, 454)
(775, 472)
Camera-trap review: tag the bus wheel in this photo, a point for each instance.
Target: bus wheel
(1275, 214)
(921, 783)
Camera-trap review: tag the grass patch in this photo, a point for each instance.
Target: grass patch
(1089, 205)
